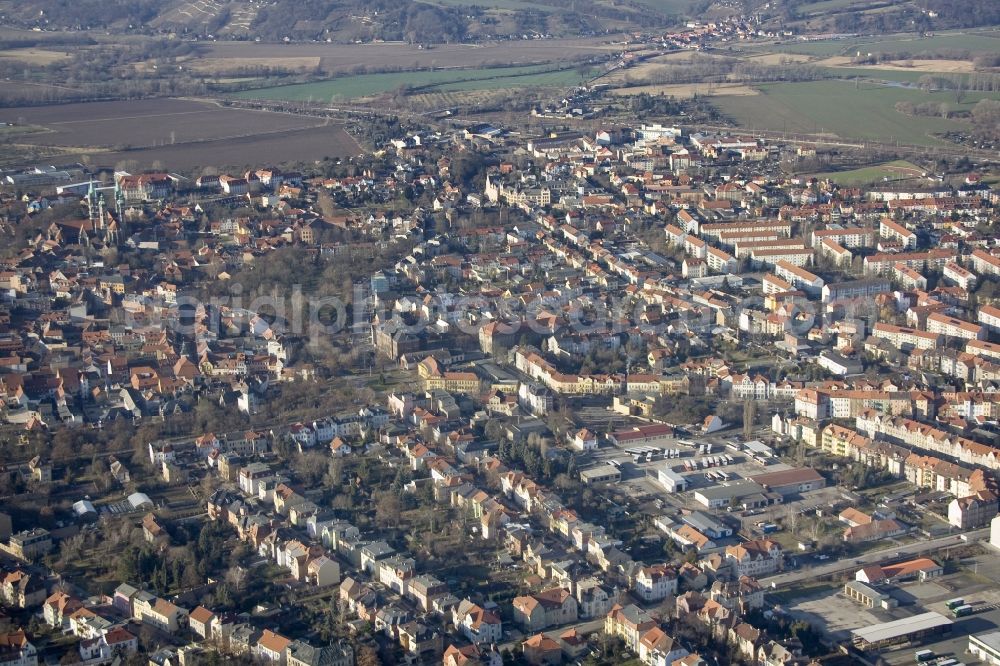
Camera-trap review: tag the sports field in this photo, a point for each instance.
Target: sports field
(889, 171)
(844, 109)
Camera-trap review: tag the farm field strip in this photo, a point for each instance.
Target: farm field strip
(685, 90)
(149, 122)
(297, 145)
(177, 133)
(349, 57)
(866, 112)
(974, 41)
(453, 80)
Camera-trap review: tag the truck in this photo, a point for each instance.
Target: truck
(955, 603)
(962, 611)
(923, 655)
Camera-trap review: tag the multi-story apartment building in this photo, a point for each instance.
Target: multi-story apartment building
(894, 231)
(884, 262)
(985, 263)
(952, 327)
(849, 237)
(907, 338)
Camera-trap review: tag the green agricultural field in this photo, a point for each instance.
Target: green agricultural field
(819, 47)
(554, 79)
(969, 41)
(509, 5)
(679, 7)
(351, 87)
(823, 6)
(896, 170)
(900, 76)
(839, 107)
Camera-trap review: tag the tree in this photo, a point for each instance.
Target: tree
(236, 576)
(334, 475)
(367, 656)
(310, 467)
(387, 509)
(325, 202)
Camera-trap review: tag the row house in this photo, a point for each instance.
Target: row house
(927, 437)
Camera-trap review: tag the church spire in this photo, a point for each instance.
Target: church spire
(92, 211)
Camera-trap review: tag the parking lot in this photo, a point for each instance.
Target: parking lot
(835, 614)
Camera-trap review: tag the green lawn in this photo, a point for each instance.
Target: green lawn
(839, 107)
(350, 87)
(897, 170)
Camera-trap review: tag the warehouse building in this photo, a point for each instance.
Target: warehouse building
(671, 480)
(602, 474)
(908, 630)
(868, 596)
(986, 647)
(790, 481)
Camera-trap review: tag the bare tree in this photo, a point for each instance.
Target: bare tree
(236, 576)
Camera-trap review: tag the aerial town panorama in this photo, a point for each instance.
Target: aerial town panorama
(499, 332)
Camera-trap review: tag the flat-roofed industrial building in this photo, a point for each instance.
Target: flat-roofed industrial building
(868, 596)
(602, 474)
(986, 647)
(907, 630)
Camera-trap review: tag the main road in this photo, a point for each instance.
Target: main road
(873, 557)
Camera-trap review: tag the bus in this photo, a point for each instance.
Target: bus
(924, 655)
(955, 603)
(962, 611)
